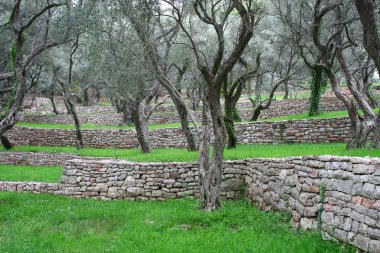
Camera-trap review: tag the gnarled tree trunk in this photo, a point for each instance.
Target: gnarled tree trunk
(73, 112)
(213, 173)
(204, 155)
(183, 115)
(141, 127)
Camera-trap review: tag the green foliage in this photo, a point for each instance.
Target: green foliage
(45, 223)
(30, 173)
(182, 155)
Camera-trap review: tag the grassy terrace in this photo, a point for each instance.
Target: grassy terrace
(44, 223)
(324, 115)
(30, 173)
(182, 155)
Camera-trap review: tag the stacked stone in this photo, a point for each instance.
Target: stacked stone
(339, 195)
(297, 131)
(343, 191)
(110, 179)
(352, 208)
(33, 187)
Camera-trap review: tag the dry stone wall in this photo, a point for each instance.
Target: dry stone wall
(119, 179)
(33, 187)
(338, 195)
(299, 131)
(122, 179)
(342, 193)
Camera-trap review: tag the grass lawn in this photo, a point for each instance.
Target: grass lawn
(323, 115)
(30, 173)
(182, 155)
(45, 223)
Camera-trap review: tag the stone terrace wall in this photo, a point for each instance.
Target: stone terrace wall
(299, 131)
(351, 209)
(112, 179)
(33, 187)
(106, 115)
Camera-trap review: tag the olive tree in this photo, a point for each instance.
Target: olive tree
(25, 47)
(214, 70)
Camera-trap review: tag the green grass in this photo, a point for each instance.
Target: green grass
(30, 173)
(182, 155)
(323, 115)
(105, 103)
(91, 126)
(45, 223)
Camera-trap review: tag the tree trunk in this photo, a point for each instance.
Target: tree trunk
(236, 116)
(6, 143)
(127, 114)
(316, 87)
(67, 107)
(51, 97)
(194, 97)
(214, 172)
(73, 112)
(367, 14)
(376, 134)
(183, 115)
(360, 129)
(256, 113)
(85, 97)
(204, 155)
(371, 98)
(141, 127)
(127, 119)
(286, 88)
(229, 122)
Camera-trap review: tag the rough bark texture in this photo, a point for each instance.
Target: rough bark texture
(230, 127)
(141, 127)
(366, 10)
(371, 98)
(214, 172)
(74, 113)
(204, 155)
(183, 115)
